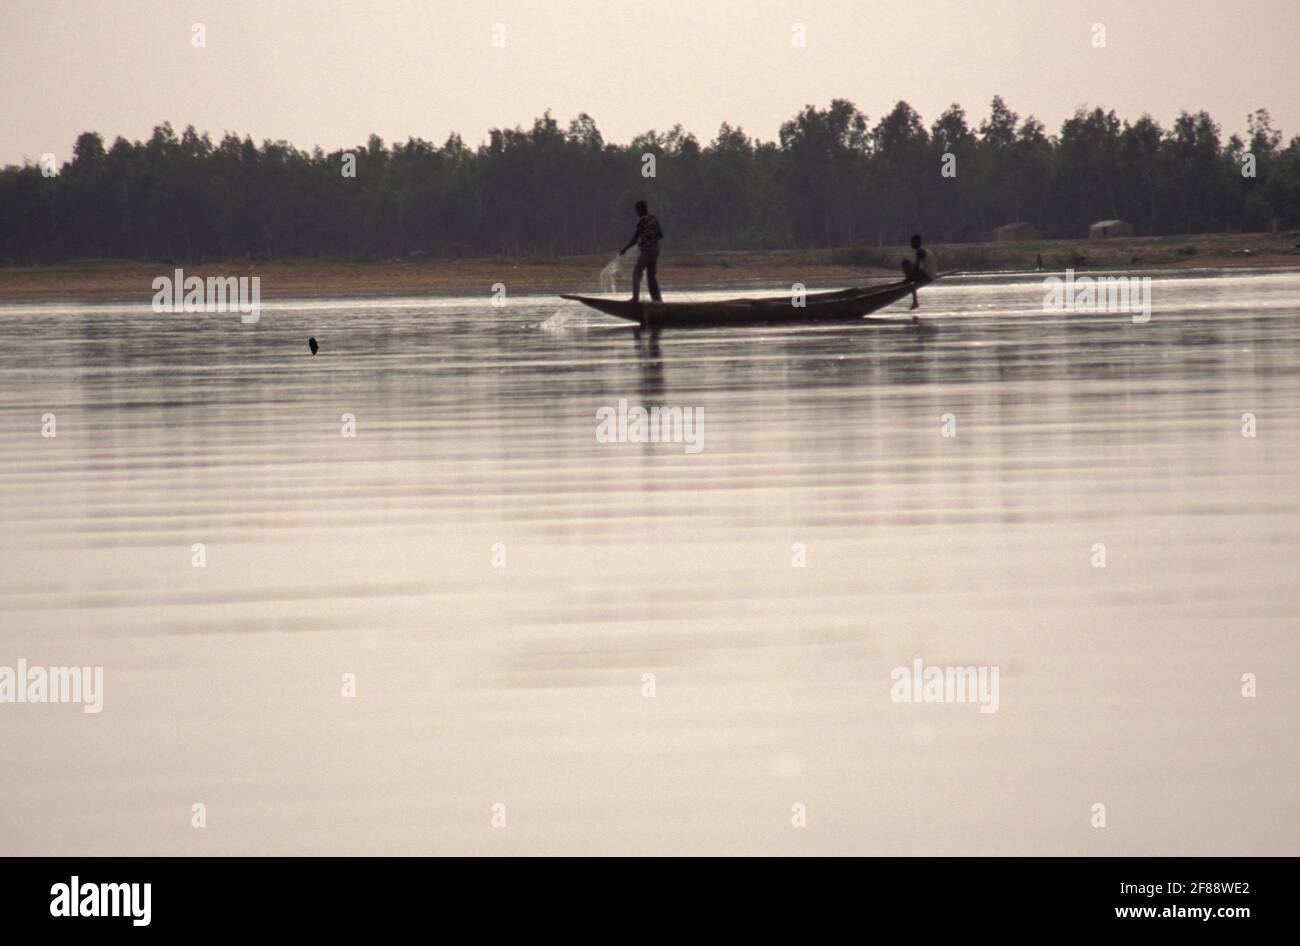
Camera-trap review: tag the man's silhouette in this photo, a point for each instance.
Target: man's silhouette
(922, 270)
(647, 237)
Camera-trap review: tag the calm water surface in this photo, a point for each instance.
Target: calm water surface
(526, 685)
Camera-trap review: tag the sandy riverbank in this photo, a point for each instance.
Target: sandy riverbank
(129, 279)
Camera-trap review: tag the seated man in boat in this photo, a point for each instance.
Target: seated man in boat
(646, 238)
(922, 270)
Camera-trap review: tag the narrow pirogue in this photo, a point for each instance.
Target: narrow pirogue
(842, 304)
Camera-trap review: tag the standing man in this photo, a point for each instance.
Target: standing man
(647, 237)
(924, 269)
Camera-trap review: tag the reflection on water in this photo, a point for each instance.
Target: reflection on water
(525, 683)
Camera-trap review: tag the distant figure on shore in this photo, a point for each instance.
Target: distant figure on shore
(923, 269)
(646, 238)
(1040, 262)
(311, 343)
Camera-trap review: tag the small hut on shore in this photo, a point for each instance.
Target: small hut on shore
(1109, 229)
(1016, 232)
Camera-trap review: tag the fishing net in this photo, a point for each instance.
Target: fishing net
(610, 275)
(571, 314)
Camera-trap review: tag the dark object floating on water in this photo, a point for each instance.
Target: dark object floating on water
(840, 305)
(311, 343)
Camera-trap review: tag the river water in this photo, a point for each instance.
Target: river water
(473, 627)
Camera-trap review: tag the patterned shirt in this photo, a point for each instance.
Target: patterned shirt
(648, 232)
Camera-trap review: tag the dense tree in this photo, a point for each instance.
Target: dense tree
(831, 178)
(824, 165)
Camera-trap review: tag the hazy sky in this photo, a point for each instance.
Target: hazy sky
(330, 73)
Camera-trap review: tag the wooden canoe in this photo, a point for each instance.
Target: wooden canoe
(842, 304)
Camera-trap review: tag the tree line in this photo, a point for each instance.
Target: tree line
(831, 179)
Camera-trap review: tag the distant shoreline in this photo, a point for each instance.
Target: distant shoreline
(741, 270)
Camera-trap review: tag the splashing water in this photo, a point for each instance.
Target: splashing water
(572, 316)
(562, 319)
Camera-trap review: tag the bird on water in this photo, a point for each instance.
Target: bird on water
(311, 343)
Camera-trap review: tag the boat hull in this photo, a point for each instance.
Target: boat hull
(840, 305)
